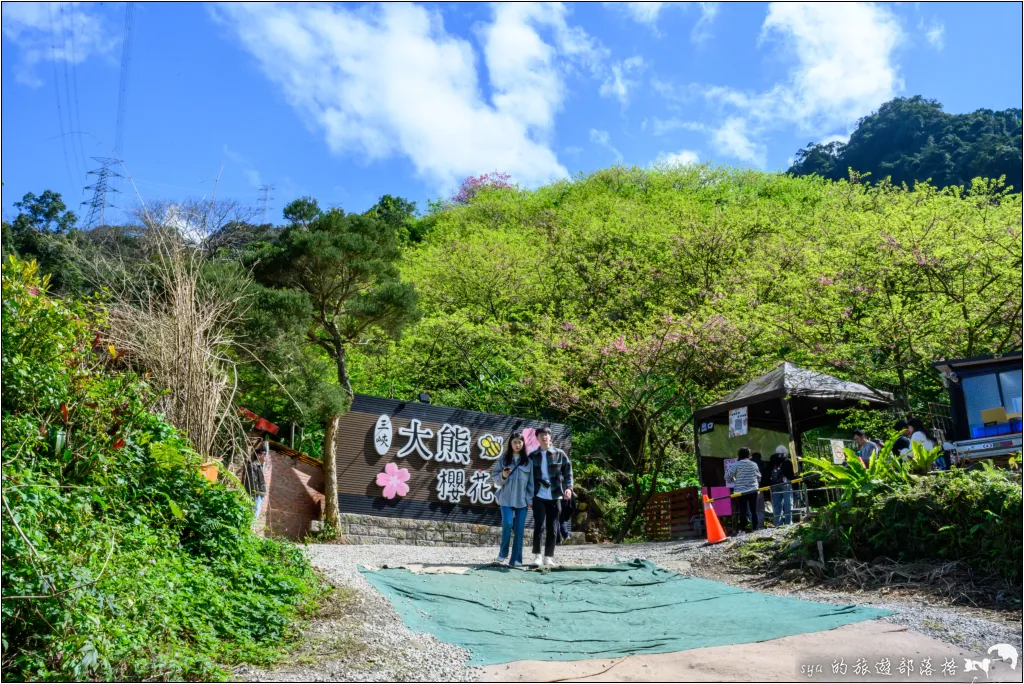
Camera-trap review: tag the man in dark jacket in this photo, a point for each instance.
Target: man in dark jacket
(552, 476)
(254, 481)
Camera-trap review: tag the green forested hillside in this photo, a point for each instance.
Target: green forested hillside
(617, 301)
(912, 139)
(599, 299)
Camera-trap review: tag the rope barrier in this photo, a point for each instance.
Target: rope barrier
(763, 489)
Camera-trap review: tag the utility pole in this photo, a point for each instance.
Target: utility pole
(265, 201)
(98, 204)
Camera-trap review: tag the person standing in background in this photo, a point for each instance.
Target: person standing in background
(865, 447)
(253, 479)
(763, 467)
(782, 474)
(747, 477)
(919, 434)
(902, 444)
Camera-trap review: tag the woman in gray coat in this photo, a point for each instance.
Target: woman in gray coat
(513, 475)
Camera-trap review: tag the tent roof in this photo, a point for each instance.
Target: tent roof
(789, 380)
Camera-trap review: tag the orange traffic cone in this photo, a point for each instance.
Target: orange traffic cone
(711, 524)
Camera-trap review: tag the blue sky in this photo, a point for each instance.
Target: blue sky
(346, 103)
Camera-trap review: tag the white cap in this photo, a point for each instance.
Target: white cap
(781, 450)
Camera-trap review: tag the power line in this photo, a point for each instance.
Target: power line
(74, 81)
(122, 91)
(100, 189)
(265, 200)
(106, 176)
(79, 160)
(56, 89)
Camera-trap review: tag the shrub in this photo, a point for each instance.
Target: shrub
(119, 560)
(971, 516)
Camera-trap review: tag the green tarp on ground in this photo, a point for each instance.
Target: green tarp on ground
(572, 613)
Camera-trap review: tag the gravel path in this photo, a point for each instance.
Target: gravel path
(368, 641)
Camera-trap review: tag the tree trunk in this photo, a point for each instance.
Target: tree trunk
(633, 509)
(637, 503)
(331, 513)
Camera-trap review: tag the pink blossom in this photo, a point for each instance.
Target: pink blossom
(824, 281)
(620, 344)
(473, 184)
(567, 326)
(393, 480)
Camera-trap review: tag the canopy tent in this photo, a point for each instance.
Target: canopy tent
(788, 400)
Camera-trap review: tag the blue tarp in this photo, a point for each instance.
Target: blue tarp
(572, 613)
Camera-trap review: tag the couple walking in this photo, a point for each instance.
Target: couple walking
(542, 479)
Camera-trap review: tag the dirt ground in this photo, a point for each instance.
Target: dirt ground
(365, 640)
(818, 657)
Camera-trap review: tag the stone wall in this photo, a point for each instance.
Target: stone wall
(371, 529)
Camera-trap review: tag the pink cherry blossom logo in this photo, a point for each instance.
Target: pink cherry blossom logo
(393, 481)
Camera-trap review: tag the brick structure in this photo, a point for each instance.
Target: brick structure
(295, 498)
(372, 529)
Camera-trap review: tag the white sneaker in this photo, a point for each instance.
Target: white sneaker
(539, 560)
(550, 561)
(499, 560)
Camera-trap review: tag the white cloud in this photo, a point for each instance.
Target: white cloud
(843, 68)
(619, 82)
(641, 12)
(663, 126)
(702, 29)
(835, 138)
(388, 80)
(934, 32)
(680, 158)
(732, 138)
(54, 31)
(844, 64)
(603, 139)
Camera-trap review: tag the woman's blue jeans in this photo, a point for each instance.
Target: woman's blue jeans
(782, 504)
(512, 518)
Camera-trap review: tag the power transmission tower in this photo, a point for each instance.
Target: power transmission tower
(265, 201)
(99, 203)
(107, 175)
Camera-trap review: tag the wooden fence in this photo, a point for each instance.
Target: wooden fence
(668, 514)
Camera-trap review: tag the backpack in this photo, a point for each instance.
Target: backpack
(776, 477)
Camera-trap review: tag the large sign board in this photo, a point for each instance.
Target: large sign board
(411, 459)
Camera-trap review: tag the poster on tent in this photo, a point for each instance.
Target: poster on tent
(738, 422)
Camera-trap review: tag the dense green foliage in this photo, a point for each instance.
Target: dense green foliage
(44, 230)
(912, 139)
(119, 559)
(526, 294)
(600, 299)
(971, 516)
(882, 473)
